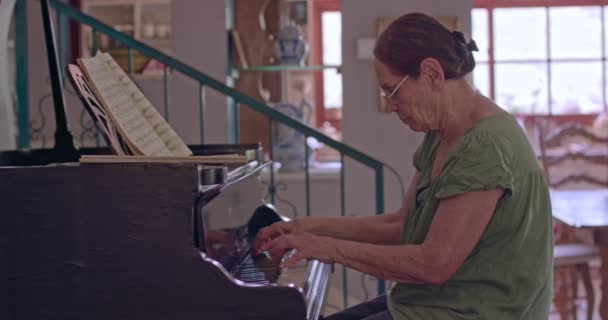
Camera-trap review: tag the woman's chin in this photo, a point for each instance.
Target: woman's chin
(413, 126)
(420, 128)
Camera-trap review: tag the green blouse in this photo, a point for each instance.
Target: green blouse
(508, 275)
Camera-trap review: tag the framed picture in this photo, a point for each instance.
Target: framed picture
(450, 22)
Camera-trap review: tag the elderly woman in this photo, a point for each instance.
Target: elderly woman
(473, 239)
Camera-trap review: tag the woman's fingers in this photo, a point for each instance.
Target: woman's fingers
(268, 233)
(277, 246)
(293, 259)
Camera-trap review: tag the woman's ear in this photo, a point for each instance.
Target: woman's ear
(431, 71)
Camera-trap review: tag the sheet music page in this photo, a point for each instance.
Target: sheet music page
(131, 110)
(170, 139)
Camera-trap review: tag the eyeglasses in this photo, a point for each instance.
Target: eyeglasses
(390, 95)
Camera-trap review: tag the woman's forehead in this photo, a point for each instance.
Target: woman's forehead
(384, 73)
(381, 67)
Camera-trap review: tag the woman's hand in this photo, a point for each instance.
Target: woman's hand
(220, 243)
(272, 231)
(305, 246)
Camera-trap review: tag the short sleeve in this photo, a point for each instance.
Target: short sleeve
(479, 162)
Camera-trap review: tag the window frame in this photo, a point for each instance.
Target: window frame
(322, 114)
(490, 5)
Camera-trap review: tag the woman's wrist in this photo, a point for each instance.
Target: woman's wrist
(301, 224)
(296, 225)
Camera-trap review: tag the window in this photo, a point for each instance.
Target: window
(331, 26)
(542, 57)
(327, 50)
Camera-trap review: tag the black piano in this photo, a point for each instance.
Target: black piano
(140, 241)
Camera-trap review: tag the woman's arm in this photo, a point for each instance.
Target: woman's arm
(378, 229)
(457, 227)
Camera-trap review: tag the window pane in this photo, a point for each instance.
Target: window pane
(481, 78)
(576, 87)
(480, 33)
(576, 32)
(332, 89)
(520, 33)
(522, 87)
(332, 54)
(332, 37)
(605, 28)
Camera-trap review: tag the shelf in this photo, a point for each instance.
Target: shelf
(148, 21)
(276, 68)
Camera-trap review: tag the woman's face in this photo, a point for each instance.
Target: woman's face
(414, 101)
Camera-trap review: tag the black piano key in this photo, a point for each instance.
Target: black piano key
(259, 269)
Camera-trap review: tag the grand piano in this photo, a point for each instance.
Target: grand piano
(144, 242)
(140, 241)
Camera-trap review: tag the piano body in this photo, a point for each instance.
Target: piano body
(139, 242)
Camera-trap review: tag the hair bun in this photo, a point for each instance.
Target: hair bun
(459, 36)
(415, 36)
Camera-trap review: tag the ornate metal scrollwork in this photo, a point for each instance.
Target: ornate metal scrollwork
(281, 186)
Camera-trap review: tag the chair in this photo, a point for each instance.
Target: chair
(569, 160)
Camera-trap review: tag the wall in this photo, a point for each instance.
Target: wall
(199, 39)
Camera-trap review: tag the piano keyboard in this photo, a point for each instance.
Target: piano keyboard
(259, 270)
(229, 222)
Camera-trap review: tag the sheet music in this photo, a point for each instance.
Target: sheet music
(132, 111)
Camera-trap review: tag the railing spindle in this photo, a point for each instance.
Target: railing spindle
(343, 213)
(307, 176)
(201, 112)
(59, 44)
(21, 78)
(93, 51)
(166, 89)
(380, 210)
(94, 42)
(236, 122)
(271, 187)
(129, 61)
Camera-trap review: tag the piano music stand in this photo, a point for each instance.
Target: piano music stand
(96, 111)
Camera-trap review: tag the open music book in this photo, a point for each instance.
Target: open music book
(141, 126)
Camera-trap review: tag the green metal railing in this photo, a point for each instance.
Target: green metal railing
(238, 99)
(21, 71)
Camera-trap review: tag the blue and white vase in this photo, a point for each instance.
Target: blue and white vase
(291, 49)
(289, 149)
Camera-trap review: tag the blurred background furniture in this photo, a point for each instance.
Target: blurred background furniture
(573, 158)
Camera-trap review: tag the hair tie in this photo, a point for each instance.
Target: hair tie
(472, 46)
